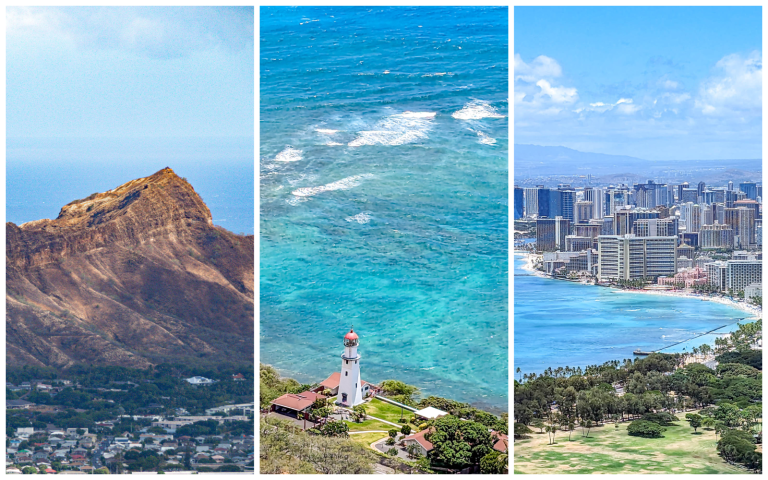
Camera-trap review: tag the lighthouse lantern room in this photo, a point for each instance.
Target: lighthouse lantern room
(350, 386)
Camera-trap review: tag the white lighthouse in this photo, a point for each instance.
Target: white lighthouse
(350, 386)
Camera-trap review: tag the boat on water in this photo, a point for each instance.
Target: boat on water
(640, 352)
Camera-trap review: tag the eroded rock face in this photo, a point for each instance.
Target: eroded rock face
(134, 276)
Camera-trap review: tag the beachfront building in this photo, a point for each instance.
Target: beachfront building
(551, 233)
(753, 290)
(565, 262)
(628, 257)
(350, 385)
(575, 243)
(685, 278)
(739, 274)
(716, 274)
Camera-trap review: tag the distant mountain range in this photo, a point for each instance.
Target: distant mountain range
(133, 276)
(548, 165)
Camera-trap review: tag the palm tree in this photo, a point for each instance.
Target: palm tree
(518, 372)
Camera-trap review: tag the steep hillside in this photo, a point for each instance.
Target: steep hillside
(132, 276)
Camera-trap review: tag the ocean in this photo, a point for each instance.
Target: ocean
(383, 160)
(44, 174)
(559, 323)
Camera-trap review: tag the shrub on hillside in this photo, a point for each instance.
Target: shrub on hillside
(644, 428)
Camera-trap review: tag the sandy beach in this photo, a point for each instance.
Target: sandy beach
(754, 311)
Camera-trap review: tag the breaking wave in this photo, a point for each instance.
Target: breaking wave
(289, 155)
(485, 139)
(343, 184)
(475, 110)
(399, 129)
(360, 218)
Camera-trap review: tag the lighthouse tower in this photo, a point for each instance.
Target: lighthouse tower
(350, 385)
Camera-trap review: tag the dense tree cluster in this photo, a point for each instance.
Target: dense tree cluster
(161, 389)
(649, 391)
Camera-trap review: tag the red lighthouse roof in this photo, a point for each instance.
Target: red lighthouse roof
(351, 335)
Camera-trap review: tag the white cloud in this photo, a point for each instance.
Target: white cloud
(541, 67)
(736, 89)
(557, 94)
(154, 32)
(624, 106)
(536, 92)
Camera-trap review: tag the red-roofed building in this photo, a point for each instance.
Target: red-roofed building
(424, 445)
(501, 442)
(238, 378)
(332, 383)
(295, 404)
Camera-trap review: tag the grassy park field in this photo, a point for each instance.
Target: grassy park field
(612, 450)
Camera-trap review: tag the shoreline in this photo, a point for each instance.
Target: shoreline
(754, 311)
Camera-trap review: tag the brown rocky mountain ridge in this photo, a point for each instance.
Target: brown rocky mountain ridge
(135, 276)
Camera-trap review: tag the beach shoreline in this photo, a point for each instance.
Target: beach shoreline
(755, 311)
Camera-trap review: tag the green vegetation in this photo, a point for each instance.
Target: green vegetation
(610, 450)
(645, 428)
(285, 449)
(271, 385)
(652, 390)
(98, 394)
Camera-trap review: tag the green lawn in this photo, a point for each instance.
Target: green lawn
(368, 425)
(386, 411)
(367, 438)
(611, 450)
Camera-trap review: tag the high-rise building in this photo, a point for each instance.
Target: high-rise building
(567, 201)
(749, 204)
(531, 196)
(730, 186)
(741, 273)
(583, 212)
(690, 195)
(518, 202)
(707, 217)
(680, 189)
(615, 199)
(543, 201)
(746, 226)
(749, 189)
(656, 227)
(555, 203)
(596, 196)
(716, 236)
(700, 191)
(551, 233)
(577, 244)
(628, 257)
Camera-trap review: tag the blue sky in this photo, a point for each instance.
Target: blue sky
(130, 72)
(650, 82)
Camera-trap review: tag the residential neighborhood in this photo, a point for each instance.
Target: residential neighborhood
(123, 429)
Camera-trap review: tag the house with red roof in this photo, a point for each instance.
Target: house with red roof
(500, 442)
(295, 404)
(423, 445)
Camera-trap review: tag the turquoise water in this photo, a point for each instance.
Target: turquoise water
(384, 195)
(559, 323)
